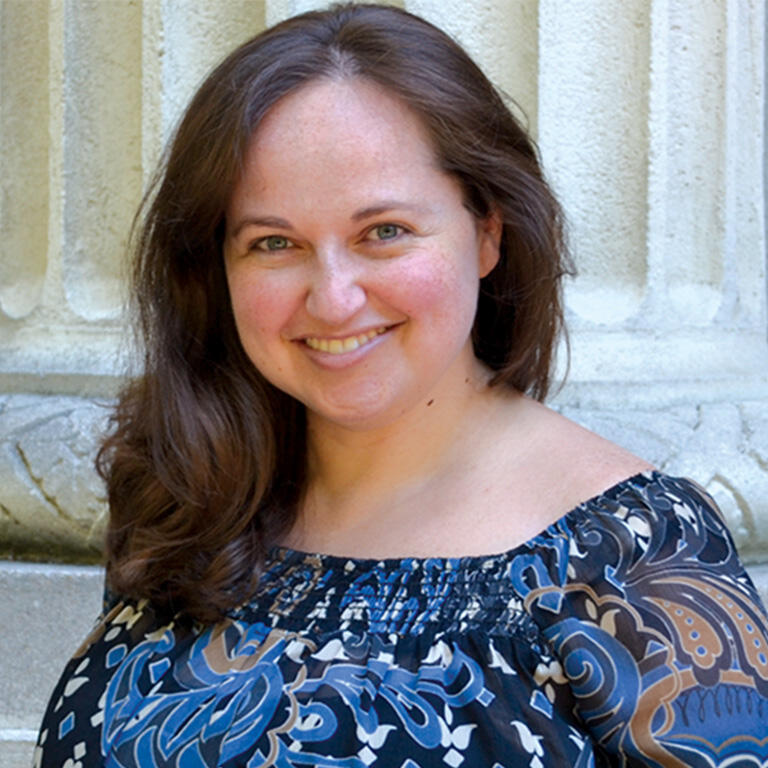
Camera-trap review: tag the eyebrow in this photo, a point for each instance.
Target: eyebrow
(364, 213)
(387, 205)
(260, 221)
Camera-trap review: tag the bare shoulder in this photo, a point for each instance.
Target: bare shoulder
(527, 467)
(560, 465)
(590, 462)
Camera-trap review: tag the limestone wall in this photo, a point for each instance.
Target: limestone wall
(651, 120)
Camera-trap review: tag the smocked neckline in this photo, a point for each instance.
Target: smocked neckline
(288, 556)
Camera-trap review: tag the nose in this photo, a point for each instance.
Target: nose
(335, 294)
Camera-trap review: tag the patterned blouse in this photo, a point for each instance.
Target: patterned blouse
(627, 633)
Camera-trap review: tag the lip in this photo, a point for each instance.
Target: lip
(340, 351)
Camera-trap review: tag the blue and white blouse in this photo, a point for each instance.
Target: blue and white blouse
(627, 633)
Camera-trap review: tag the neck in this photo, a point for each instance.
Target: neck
(355, 476)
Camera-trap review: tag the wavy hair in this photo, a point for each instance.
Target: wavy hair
(205, 461)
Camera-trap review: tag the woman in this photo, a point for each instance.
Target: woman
(348, 284)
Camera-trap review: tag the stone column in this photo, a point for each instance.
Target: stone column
(90, 92)
(502, 39)
(651, 127)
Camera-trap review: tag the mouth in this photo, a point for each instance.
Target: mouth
(347, 344)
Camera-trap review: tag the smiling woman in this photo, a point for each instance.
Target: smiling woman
(344, 531)
(354, 289)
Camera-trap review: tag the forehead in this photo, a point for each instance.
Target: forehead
(339, 120)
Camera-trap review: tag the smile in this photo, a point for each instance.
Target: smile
(340, 346)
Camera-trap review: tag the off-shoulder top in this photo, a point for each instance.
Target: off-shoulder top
(626, 633)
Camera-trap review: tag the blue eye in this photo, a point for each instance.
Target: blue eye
(273, 243)
(386, 231)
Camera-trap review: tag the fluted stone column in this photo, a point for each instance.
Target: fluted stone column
(502, 38)
(277, 10)
(90, 92)
(651, 126)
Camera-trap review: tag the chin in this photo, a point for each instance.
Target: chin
(358, 403)
(355, 419)
(357, 415)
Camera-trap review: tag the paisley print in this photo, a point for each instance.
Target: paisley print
(627, 633)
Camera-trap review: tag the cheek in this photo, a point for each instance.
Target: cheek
(436, 287)
(257, 308)
(260, 307)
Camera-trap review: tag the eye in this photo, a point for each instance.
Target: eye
(385, 232)
(272, 243)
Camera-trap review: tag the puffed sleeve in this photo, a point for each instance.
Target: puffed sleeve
(106, 679)
(661, 639)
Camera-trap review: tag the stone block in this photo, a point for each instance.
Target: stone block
(46, 612)
(604, 49)
(52, 503)
(24, 118)
(503, 40)
(51, 500)
(16, 749)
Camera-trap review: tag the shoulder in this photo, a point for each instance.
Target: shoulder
(657, 626)
(568, 456)
(644, 529)
(543, 465)
(123, 657)
(651, 526)
(650, 533)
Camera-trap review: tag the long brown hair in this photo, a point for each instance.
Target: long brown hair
(205, 465)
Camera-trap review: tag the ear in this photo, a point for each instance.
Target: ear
(489, 231)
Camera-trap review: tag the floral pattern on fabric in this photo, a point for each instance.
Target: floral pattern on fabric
(627, 633)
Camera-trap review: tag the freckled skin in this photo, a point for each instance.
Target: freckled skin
(330, 171)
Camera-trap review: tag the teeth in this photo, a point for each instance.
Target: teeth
(339, 346)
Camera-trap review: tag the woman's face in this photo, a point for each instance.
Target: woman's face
(353, 265)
